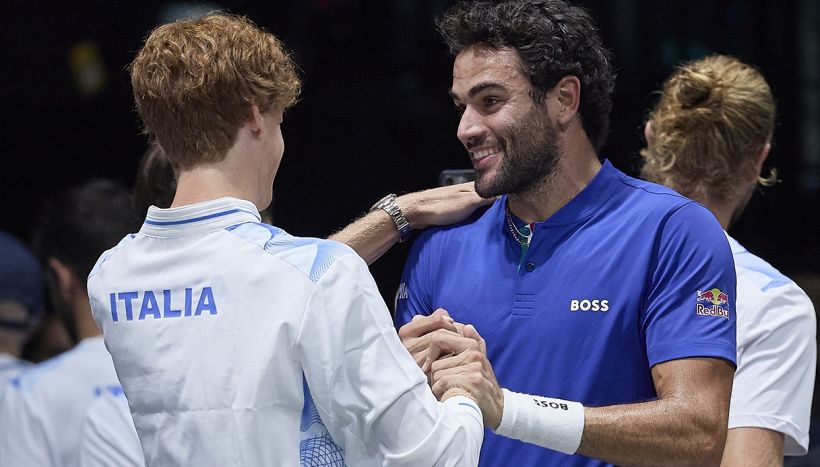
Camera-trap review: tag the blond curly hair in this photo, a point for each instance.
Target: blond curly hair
(713, 118)
(195, 80)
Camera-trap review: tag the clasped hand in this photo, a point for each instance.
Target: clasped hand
(454, 358)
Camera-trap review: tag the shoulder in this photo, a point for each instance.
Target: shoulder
(73, 367)
(651, 197)
(478, 223)
(311, 256)
(767, 289)
(755, 271)
(109, 404)
(42, 375)
(108, 254)
(677, 215)
(672, 221)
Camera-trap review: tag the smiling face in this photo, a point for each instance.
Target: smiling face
(511, 140)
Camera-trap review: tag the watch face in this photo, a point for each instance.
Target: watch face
(382, 203)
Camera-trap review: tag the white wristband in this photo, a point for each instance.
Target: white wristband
(551, 423)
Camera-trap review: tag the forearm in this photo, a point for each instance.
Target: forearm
(685, 425)
(670, 431)
(752, 446)
(373, 234)
(662, 432)
(370, 236)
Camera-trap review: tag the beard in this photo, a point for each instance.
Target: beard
(530, 157)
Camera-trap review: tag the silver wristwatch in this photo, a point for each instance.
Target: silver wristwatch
(388, 204)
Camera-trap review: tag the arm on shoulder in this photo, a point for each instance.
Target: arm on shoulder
(373, 234)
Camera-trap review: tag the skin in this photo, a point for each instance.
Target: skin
(374, 233)
(493, 96)
(686, 425)
(246, 172)
(249, 168)
(454, 355)
(74, 294)
(728, 211)
(748, 446)
(745, 446)
(752, 446)
(12, 340)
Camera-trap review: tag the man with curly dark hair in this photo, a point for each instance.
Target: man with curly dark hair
(612, 296)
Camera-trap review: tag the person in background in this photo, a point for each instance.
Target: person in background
(42, 409)
(108, 434)
(708, 138)
(50, 337)
(21, 303)
(155, 183)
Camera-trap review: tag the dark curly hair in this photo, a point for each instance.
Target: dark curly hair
(553, 39)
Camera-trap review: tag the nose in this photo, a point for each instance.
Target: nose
(470, 129)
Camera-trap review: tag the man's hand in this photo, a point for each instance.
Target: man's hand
(441, 206)
(374, 233)
(465, 366)
(417, 334)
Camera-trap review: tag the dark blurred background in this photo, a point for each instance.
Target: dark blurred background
(375, 117)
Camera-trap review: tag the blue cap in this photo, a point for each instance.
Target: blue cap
(21, 278)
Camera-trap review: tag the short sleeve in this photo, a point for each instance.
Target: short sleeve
(689, 309)
(777, 356)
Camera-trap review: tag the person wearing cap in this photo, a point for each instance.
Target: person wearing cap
(21, 303)
(43, 407)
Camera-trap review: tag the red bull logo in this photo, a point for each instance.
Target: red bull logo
(712, 302)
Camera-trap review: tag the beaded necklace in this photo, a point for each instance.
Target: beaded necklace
(523, 236)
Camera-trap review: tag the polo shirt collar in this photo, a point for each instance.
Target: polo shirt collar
(198, 218)
(579, 208)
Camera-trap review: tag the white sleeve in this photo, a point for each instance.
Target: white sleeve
(109, 437)
(372, 396)
(24, 434)
(777, 354)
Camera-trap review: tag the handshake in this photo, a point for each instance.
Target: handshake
(454, 358)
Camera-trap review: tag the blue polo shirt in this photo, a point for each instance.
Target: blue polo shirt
(626, 275)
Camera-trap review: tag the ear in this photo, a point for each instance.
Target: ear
(647, 131)
(761, 157)
(568, 94)
(256, 121)
(66, 279)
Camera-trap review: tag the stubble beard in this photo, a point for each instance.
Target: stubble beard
(530, 159)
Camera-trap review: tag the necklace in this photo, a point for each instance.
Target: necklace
(523, 236)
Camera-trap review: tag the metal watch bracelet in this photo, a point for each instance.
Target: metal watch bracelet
(388, 204)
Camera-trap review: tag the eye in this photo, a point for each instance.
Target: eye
(490, 101)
